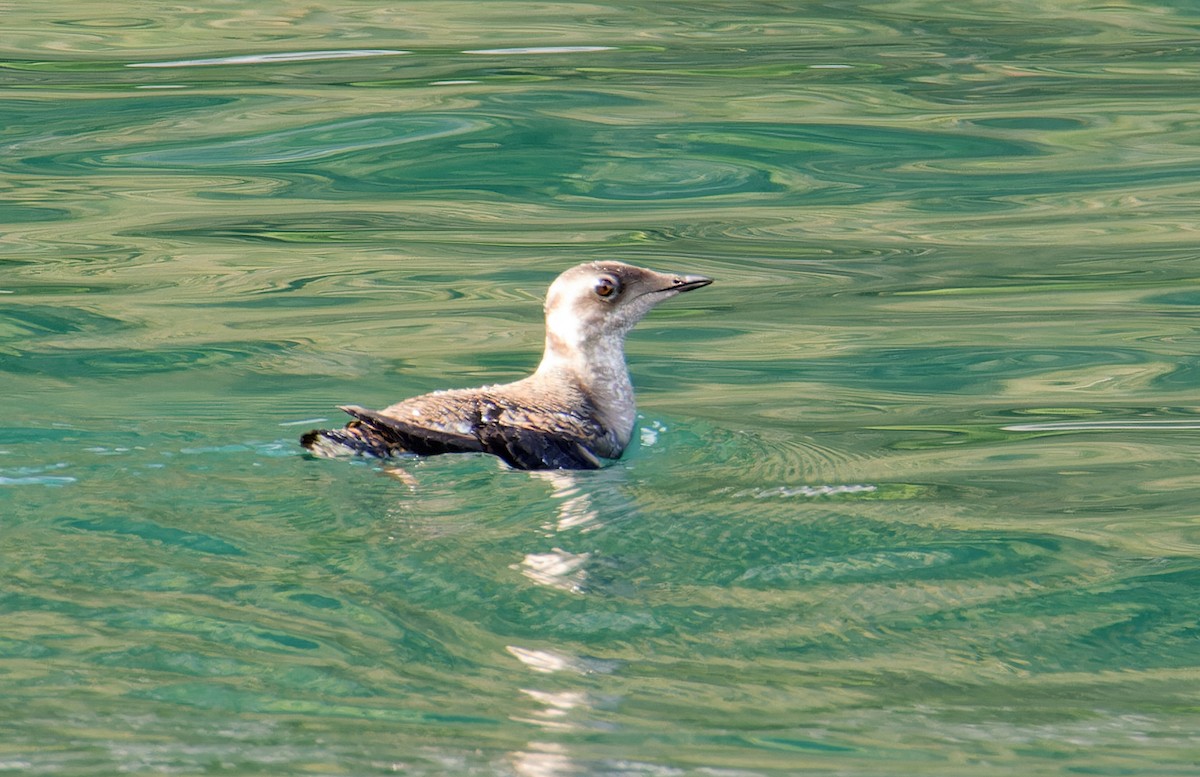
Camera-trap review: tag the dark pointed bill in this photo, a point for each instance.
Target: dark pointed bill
(687, 283)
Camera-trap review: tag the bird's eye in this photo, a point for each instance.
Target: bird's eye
(607, 286)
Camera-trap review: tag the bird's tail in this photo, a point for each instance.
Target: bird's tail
(354, 439)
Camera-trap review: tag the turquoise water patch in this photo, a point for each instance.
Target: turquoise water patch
(912, 486)
(307, 144)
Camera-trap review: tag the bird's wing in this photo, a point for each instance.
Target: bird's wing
(526, 448)
(522, 447)
(414, 438)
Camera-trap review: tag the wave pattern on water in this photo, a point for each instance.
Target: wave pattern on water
(914, 481)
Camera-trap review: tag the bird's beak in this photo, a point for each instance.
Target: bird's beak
(681, 283)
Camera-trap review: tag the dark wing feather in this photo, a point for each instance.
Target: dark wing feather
(414, 438)
(526, 448)
(521, 447)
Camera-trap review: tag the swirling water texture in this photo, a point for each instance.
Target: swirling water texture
(915, 482)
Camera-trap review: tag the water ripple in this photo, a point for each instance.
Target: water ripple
(914, 480)
(542, 50)
(1106, 426)
(34, 476)
(305, 144)
(275, 57)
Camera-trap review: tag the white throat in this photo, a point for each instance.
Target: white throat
(594, 361)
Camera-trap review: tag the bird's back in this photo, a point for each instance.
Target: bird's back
(527, 426)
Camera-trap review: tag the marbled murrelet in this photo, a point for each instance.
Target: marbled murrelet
(575, 410)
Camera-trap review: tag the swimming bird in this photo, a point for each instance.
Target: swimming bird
(575, 410)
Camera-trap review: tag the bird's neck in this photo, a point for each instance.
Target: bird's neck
(596, 367)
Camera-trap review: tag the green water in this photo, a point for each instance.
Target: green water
(915, 488)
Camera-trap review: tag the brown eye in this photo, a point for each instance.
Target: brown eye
(606, 287)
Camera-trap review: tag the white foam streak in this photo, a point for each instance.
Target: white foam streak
(812, 491)
(1104, 426)
(542, 50)
(283, 56)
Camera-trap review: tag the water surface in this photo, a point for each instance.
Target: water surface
(915, 483)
